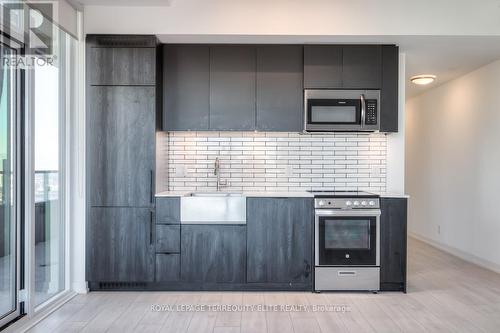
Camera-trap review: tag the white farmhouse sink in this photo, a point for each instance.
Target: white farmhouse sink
(214, 208)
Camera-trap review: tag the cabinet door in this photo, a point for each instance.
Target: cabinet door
(322, 66)
(121, 145)
(168, 210)
(120, 245)
(393, 243)
(232, 87)
(122, 66)
(362, 67)
(186, 81)
(280, 88)
(213, 253)
(389, 100)
(279, 240)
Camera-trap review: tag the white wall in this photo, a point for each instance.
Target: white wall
(298, 17)
(453, 163)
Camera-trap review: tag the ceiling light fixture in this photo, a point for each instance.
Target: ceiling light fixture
(423, 79)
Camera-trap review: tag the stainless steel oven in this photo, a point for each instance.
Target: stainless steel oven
(341, 110)
(347, 243)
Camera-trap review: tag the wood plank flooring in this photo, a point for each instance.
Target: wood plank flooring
(445, 294)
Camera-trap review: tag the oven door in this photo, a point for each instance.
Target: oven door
(347, 238)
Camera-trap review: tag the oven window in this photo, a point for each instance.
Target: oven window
(333, 114)
(347, 234)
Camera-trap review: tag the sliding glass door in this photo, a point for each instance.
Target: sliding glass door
(8, 203)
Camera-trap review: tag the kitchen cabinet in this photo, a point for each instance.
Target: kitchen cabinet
(122, 66)
(120, 148)
(121, 145)
(322, 66)
(168, 210)
(361, 67)
(186, 87)
(232, 87)
(120, 245)
(280, 100)
(342, 66)
(168, 238)
(279, 240)
(393, 244)
(389, 94)
(168, 267)
(213, 253)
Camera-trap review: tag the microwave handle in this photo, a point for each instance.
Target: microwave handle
(363, 110)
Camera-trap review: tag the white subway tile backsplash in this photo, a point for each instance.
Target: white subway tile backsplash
(273, 161)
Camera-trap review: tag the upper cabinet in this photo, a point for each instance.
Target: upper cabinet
(186, 87)
(348, 67)
(280, 88)
(322, 66)
(361, 67)
(260, 87)
(232, 87)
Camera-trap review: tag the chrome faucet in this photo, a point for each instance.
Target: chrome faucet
(217, 173)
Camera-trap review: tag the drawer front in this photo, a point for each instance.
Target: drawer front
(347, 278)
(168, 238)
(168, 210)
(167, 267)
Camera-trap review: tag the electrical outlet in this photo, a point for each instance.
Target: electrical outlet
(180, 171)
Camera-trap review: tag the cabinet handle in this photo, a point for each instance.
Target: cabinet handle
(151, 176)
(151, 225)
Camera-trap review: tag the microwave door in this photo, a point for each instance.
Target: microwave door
(333, 114)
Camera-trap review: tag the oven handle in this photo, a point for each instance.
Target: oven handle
(363, 110)
(349, 212)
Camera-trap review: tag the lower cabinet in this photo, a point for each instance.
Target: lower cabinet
(120, 245)
(168, 267)
(279, 238)
(213, 253)
(393, 244)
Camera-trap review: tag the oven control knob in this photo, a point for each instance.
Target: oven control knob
(348, 203)
(321, 203)
(356, 203)
(363, 203)
(371, 203)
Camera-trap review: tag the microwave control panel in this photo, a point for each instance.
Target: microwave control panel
(371, 112)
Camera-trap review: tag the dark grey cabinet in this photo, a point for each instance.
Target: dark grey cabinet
(168, 210)
(342, 66)
(361, 67)
(168, 238)
(121, 145)
(120, 245)
(389, 96)
(393, 244)
(322, 66)
(186, 87)
(280, 88)
(168, 267)
(279, 240)
(232, 87)
(213, 253)
(120, 149)
(122, 66)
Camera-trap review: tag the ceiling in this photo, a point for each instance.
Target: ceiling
(447, 57)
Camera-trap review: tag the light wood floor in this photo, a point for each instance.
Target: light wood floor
(445, 294)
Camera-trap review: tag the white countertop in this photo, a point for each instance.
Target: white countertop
(299, 194)
(394, 195)
(264, 194)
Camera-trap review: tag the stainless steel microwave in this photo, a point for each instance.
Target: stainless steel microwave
(341, 110)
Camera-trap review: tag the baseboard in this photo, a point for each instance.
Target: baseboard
(26, 323)
(473, 259)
